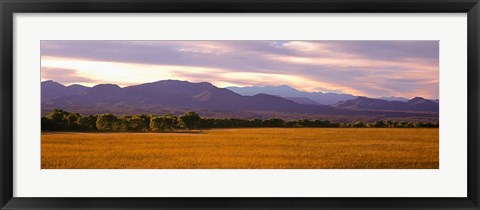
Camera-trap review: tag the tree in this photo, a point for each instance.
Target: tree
(402, 125)
(171, 121)
(291, 124)
(163, 123)
(379, 124)
(47, 124)
(73, 121)
(58, 115)
(190, 120)
(273, 122)
(137, 123)
(305, 123)
(410, 125)
(207, 123)
(88, 123)
(417, 125)
(390, 124)
(124, 123)
(145, 120)
(334, 125)
(358, 124)
(156, 124)
(58, 119)
(107, 122)
(321, 123)
(256, 123)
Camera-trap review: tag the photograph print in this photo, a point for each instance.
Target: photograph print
(239, 104)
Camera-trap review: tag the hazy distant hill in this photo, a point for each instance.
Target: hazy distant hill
(178, 96)
(289, 92)
(393, 98)
(302, 100)
(364, 103)
(303, 97)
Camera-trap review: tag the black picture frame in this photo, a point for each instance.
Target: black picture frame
(9, 7)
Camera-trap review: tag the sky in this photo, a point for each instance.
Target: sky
(363, 68)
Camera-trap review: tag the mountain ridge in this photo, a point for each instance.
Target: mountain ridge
(286, 91)
(364, 103)
(174, 95)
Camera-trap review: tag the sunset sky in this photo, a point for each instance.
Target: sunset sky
(366, 68)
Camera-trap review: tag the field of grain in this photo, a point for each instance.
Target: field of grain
(260, 148)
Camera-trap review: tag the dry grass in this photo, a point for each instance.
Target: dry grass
(275, 148)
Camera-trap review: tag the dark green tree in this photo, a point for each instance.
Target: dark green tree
(107, 122)
(88, 123)
(358, 124)
(273, 122)
(58, 119)
(47, 124)
(73, 121)
(189, 120)
(163, 123)
(137, 123)
(379, 124)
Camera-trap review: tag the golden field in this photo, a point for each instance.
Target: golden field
(256, 148)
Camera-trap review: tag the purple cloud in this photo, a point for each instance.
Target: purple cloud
(373, 68)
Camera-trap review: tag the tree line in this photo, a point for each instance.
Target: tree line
(60, 120)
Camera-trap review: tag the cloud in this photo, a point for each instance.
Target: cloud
(371, 68)
(65, 76)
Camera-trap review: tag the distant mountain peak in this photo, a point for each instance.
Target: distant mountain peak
(76, 85)
(51, 90)
(107, 86)
(418, 98)
(173, 80)
(362, 98)
(285, 87)
(178, 82)
(261, 95)
(394, 98)
(103, 89)
(51, 82)
(286, 91)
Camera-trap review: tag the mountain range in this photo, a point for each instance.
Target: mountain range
(292, 93)
(177, 96)
(364, 103)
